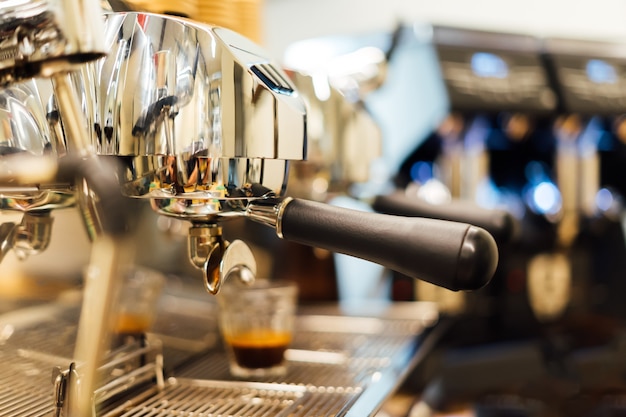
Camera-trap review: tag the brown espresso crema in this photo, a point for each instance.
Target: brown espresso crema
(259, 348)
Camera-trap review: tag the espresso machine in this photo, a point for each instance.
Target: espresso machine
(197, 122)
(470, 166)
(550, 341)
(587, 75)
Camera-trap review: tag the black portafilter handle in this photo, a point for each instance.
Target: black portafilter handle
(501, 224)
(453, 255)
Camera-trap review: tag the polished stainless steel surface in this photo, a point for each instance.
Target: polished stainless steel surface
(42, 37)
(26, 130)
(201, 121)
(201, 118)
(343, 138)
(218, 258)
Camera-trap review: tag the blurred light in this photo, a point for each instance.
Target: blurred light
(421, 171)
(319, 185)
(488, 195)
(321, 86)
(604, 199)
(536, 172)
(434, 191)
(376, 376)
(591, 136)
(311, 55)
(6, 332)
(601, 72)
(545, 198)
(346, 71)
(485, 64)
(477, 134)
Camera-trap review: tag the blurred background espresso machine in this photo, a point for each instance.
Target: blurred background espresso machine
(487, 156)
(534, 130)
(520, 135)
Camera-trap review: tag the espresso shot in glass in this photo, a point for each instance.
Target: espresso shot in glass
(136, 305)
(256, 323)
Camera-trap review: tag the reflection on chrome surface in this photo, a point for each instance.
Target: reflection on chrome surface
(196, 113)
(41, 37)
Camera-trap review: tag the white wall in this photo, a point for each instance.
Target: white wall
(286, 21)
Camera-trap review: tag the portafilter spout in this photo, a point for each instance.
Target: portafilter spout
(218, 258)
(205, 125)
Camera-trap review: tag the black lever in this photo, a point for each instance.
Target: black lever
(499, 223)
(457, 256)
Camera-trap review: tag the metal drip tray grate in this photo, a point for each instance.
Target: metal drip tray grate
(215, 366)
(216, 398)
(29, 351)
(26, 389)
(204, 398)
(342, 365)
(337, 366)
(37, 345)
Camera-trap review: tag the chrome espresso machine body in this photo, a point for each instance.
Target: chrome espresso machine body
(197, 121)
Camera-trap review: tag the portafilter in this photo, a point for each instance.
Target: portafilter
(205, 126)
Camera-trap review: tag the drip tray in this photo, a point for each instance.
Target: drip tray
(340, 363)
(227, 398)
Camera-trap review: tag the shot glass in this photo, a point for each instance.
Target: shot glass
(256, 323)
(137, 300)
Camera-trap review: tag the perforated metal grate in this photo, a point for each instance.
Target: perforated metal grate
(28, 355)
(237, 399)
(335, 365)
